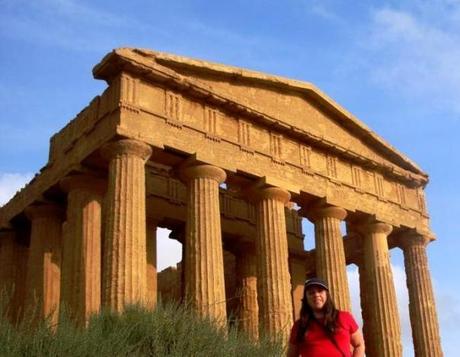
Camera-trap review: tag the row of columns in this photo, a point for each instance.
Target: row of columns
(128, 263)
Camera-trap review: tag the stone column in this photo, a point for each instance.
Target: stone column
(152, 284)
(330, 254)
(383, 311)
(125, 259)
(365, 306)
(298, 277)
(21, 258)
(248, 309)
(422, 309)
(81, 261)
(204, 266)
(273, 279)
(44, 263)
(7, 262)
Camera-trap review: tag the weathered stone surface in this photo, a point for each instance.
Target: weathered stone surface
(330, 254)
(124, 278)
(152, 281)
(81, 262)
(380, 292)
(204, 265)
(7, 261)
(44, 263)
(273, 280)
(246, 275)
(422, 307)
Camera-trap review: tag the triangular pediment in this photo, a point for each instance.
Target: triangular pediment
(290, 103)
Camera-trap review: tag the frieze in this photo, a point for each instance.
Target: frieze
(264, 142)
(224, 155)
(356, 176)
(311, 160)
(173, 109)
(244, 133)
(276, 150)
(210, 119)
(128, 89)
(331, 165)
(304, 155)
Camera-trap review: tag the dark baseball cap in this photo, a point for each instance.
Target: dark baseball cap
(316, 282)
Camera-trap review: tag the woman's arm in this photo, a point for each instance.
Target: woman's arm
(292, 351)
(357, 341)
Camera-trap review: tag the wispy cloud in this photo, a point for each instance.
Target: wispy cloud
(323, 9)
(64, 24)
(412, 53)
(10, 183)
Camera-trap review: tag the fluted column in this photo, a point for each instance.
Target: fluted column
(21, 258)
(386, 330)
(81, 261)
(125, 259)
(422, 308)
(366, 305)
(273, 279)
(298, 277)
(44, 263)
(152, 284)
(7, 262)
(204, 264)
(330, 253)
(248, 309)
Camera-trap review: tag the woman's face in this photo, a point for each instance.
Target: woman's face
(316, 297)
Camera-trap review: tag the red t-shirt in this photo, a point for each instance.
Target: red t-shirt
(317, 344)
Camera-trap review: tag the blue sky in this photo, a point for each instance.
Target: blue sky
(393, 64)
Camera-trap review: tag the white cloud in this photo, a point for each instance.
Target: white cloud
(10, 183)
(414, 54)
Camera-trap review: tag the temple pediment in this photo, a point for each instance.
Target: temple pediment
(298, 109)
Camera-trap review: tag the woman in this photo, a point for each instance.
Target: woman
(322, 330)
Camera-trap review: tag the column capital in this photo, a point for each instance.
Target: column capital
(128, 147)
(83, 181)
(257, 194)
(43, 210)
(190, 172)
(323, 210)
(373, 226)
(412, 239)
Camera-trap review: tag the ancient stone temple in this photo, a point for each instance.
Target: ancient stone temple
(230, 161)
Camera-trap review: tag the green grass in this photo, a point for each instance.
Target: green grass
(170, 330)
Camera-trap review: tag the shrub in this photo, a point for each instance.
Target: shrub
(169, 330)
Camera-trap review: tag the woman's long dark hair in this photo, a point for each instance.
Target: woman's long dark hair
(306, 317)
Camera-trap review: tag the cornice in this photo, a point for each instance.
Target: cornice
(151, 65)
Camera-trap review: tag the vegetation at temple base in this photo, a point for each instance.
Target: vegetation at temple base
(170, 330)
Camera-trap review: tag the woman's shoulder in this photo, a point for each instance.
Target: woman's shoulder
(344, 314)
(346, 319)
